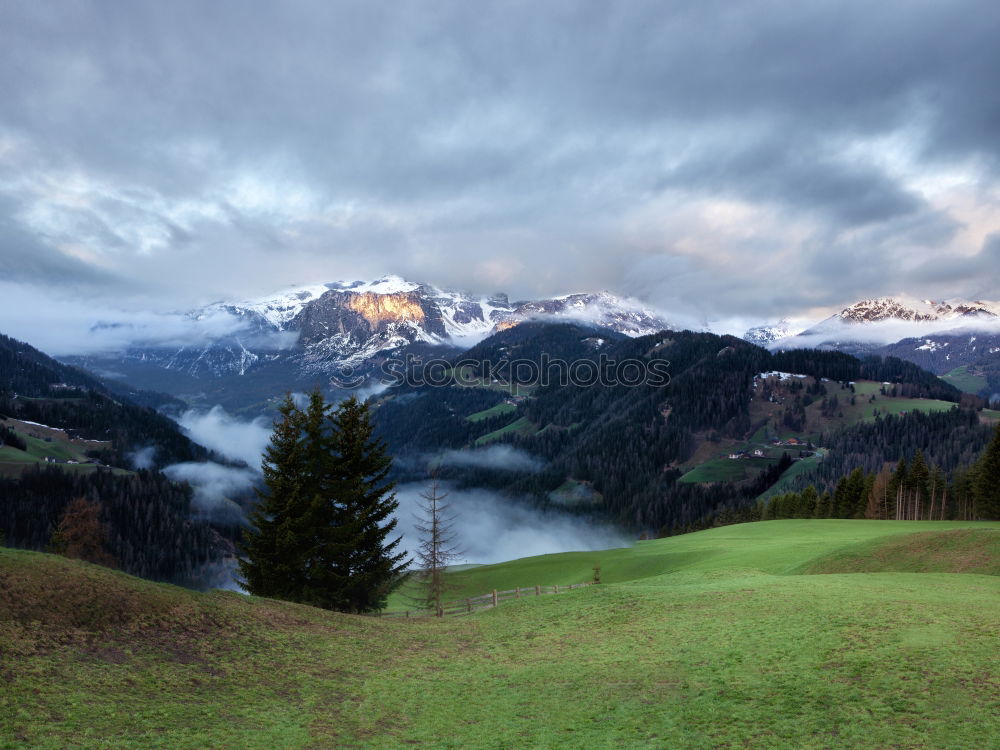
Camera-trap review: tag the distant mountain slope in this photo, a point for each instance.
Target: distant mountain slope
(940, 336)
(902, 308)
(37, 388)
(884, 320)
(766, 334)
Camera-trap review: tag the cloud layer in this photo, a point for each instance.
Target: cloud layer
(234, 438)
(217, 487)
(489, 527)
(715, 158)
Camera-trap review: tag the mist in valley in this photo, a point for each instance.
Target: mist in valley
(490, 527)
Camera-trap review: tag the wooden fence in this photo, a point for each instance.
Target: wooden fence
(485, 601)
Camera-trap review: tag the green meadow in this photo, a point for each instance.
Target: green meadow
(783, 634)
(964, 380)
(519, 426)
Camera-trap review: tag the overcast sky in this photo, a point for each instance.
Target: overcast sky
(717, 158)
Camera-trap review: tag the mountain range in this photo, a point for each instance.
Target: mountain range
(653, 455)
(312, 333)
(959, 339)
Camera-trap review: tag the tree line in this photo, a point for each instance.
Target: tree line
(910, 490)
(146, 520)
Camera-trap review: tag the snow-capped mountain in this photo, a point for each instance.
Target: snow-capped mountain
(443, 314)
(320, 329)
(870, 324)
(913, 310)
(937, 335)
(769, 333)
(882, 313)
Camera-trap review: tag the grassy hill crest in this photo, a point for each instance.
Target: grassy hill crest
(705, 640)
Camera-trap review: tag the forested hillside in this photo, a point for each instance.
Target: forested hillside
(619, 449)
(65, 437)
(950, 440)
(147, 520)
(37, 388)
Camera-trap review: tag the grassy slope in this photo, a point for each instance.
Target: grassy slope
(787, 479)
(60, 446)
(965, 381)
(519, 426)
(861, 411)
(950, 551)
(493, 411)
(699, 641)
(727, 470)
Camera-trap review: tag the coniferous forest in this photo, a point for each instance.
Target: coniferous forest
(147, 522)
(627, 441)
(149, 526)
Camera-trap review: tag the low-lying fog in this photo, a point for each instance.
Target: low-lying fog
(488, 527)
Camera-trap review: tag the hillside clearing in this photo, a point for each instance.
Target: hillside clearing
(964, 380)
(521, 426)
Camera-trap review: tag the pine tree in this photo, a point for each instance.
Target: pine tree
(897, 489)
(272, 563)
(918, 486)
(855, 495)
(986, 486)
(806, 503)
(320, 529)
(363, 563)
(823, 506)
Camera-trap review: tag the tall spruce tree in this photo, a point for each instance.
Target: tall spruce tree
(272, 563)
(363, 559)
(986, 487)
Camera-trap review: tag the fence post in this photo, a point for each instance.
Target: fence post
(557, 588)
(517, 592)
(495, 597)
(407, 614)
(538, 590)
(468, 605)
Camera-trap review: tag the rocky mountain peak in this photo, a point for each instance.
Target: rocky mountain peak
(898, 308)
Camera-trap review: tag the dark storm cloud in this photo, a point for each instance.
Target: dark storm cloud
(984, 266)
(801, 177)
(28, 257)
(690, 151)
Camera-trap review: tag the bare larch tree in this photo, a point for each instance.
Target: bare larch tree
(437, 548)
